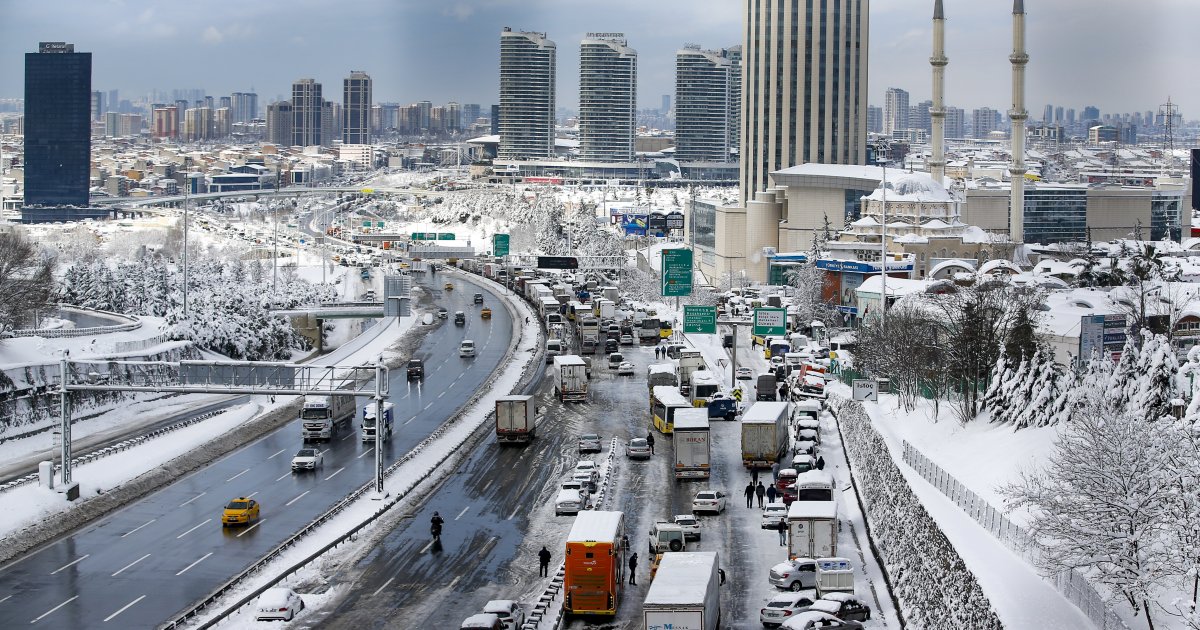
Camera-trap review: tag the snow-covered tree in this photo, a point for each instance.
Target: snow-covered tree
(1154, 389)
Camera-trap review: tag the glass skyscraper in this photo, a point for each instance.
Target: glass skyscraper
(58, 102)
(525, 116)
(607, 98)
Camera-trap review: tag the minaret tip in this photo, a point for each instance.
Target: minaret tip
(1018, 7)
(937, 10)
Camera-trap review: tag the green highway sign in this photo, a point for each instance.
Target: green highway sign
(701, 320)
(771, 322)
(418, 236)
(500, 244)
(676, 272)
(366, 224)
(445, 236)
(379, 224)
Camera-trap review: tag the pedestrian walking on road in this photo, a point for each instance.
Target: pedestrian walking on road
(650, 441)
(721, 573)
(633, 569)
(783, 532)
(820, 463)
(771, 493)
(760, 492)
(754, 475)
(750, 494)
(544, 561)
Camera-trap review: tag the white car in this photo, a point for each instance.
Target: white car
(307, 459)
(508, 611)
(690, 525)
(709, 501)
(466, 348)
(744, 374)
(771, 514)
(582, 488)
(568, 502)
(625, 369)
(781, 607)
(278, 603)
(589, 443)
(815, 619)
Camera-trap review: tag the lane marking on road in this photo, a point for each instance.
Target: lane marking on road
(249, 529)
(193, 529)
(426, 547)
(364, 453)
(297, 498)
(430, 404)
(514, 512)
(237, 475)
(464, 511)
(80, 559)
(192, 499)
(410, 420)
(138, 527)
(2, 600)
(453, 582)
(54, 609)
(251, 495)
(335, 473)
(202, 559)
(125, 607)
(347, 437)
(487, 546)
(286, 474)
(130, 564)
(277, 452)
(442, 394)
(385, 585)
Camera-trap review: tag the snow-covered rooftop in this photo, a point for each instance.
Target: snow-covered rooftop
(912, 187)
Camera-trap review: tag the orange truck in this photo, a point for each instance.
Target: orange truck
(595, 563)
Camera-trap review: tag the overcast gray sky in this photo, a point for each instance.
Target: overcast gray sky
(1119, 56)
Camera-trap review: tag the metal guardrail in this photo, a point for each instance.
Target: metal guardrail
(113, 449)
(531, 381)
(1070, 583)
(54, 333)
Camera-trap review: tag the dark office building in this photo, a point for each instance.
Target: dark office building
(58, 102)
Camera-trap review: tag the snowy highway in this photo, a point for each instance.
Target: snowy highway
(154, 557)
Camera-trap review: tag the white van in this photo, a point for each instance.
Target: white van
(466, 348)
(554, 347)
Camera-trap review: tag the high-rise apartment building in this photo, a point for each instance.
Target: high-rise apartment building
(784, 123)
(331, 122)
(452, 117)
(1090, 113)
(164, 122)
(919, 117)
(58, 143)
(1048, 114)
(222, 125)
(244, 106)
(198, 124)
(307, 106)
(470, 114)
(956, 122)
(97, 105)
(424, 114)
(874, 119)
(984, 121)
(734, 55)
(607, 98)
(895, 110)
(526, 112)
(356, 108)
(279, 123)
(1058, 114)
(702, 84)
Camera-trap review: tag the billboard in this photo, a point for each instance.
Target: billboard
(634, 224)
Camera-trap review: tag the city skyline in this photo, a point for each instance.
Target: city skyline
(457, 40)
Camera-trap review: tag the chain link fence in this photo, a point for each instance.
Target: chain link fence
(1070, 583)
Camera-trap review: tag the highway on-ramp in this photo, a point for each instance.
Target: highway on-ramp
(138, 566)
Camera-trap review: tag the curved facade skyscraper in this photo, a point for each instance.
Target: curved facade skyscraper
(527, 76)
(703, 86)
(607, 98)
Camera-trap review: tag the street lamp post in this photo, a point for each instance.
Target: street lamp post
(187, 189)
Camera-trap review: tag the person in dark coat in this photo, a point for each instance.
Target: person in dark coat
(750, 494)
(633, 569)
(544, 561)
(650, 441)
(771, 492)
(721, 573)
(754, 475)
(820, 463)
(760, 492)
(783, 532)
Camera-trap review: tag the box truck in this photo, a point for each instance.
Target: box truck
(368, 421)
(515, 419)
(691, 442)
(323, 416)
(594, 566)
(685, 593)
(764, 434)
(812, 529)
(570, 378)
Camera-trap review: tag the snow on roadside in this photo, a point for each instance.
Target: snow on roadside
(444, 450)
(1020, 597)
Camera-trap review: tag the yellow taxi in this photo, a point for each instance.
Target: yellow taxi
(486, 313)
(240, 511)
(448, 286)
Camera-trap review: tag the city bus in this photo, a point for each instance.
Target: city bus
(664, 329)
(664, 401)
(595, 562)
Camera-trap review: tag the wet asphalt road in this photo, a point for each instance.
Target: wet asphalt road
(137, 567)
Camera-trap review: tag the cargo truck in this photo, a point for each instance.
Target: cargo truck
(661, 375)
(690, 438)
(570, 378)
(764, 434)
(323, 416)
(812, 529)
(515, 419)
(690, 362)
(368, 422)
(594, 564)
(685, 593)
(834, 575)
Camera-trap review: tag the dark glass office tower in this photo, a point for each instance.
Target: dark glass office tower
(58, 92)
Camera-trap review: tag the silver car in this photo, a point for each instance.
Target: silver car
(638, 448)
(590, 443)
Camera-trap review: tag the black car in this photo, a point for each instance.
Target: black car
(611, 345)
(416, 370)
(479, 298)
